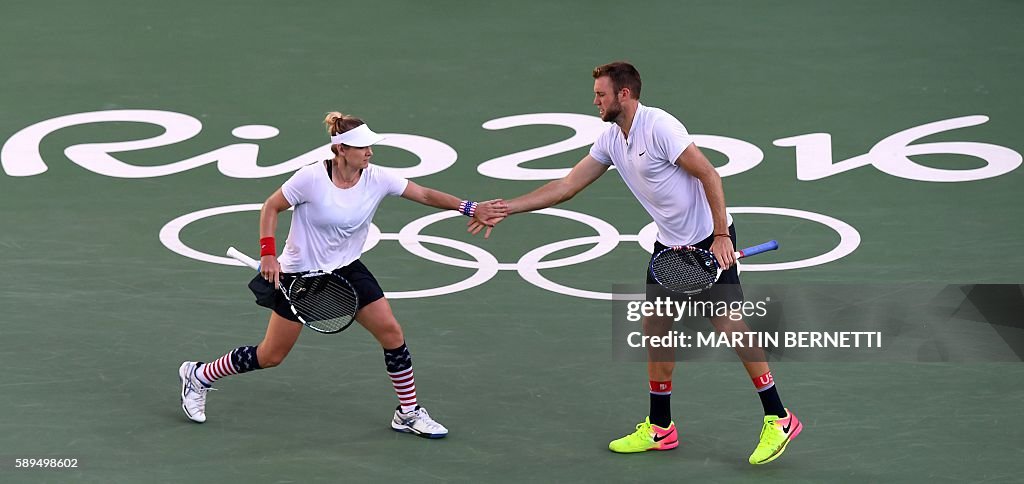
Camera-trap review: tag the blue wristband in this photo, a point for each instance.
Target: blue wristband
(467, 208)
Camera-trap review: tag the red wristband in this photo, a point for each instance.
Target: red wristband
(722, 235)
(268, 246)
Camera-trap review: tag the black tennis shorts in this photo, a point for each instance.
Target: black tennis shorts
(727, 289)
(366, 286)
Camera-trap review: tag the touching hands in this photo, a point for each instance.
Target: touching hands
(488, 214)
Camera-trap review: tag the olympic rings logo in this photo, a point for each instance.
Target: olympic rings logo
(529, 264)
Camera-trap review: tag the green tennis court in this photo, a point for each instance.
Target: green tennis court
(140, 138)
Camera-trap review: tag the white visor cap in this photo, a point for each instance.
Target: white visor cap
(360, 137)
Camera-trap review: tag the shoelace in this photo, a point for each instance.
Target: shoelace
(767, 429)
(199, 389)
(424, 417)
(643, 429)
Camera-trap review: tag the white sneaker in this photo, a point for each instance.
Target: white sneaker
(418, 422)
(193, 392)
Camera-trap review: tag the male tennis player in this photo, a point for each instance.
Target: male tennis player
(334, 201)
(682, 192)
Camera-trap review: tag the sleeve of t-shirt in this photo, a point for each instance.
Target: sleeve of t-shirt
(297, 189)
(599, 151)
(393, 185)
(670, 138)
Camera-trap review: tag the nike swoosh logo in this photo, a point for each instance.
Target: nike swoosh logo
(788, 425)
(659, 438)
(642, 153)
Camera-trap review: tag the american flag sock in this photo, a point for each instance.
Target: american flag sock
(399, 363)
(239, 360)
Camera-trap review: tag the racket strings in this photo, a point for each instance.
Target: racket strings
(325, 302)
(684, 271)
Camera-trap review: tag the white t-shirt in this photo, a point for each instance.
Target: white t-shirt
(330, 224)
(647, 163)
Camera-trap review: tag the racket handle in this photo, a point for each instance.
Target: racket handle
(757, 249)
(240, 257)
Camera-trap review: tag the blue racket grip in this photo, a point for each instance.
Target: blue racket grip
(757, 249)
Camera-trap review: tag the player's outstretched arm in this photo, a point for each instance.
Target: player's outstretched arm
(485, 213)
(557, 191)
(554, 192)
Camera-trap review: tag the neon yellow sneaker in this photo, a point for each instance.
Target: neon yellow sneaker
(647, 437)
(775, 436)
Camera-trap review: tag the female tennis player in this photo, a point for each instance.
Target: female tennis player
(334, 202)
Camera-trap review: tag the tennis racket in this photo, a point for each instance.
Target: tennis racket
(323, 301)
(689, 270)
